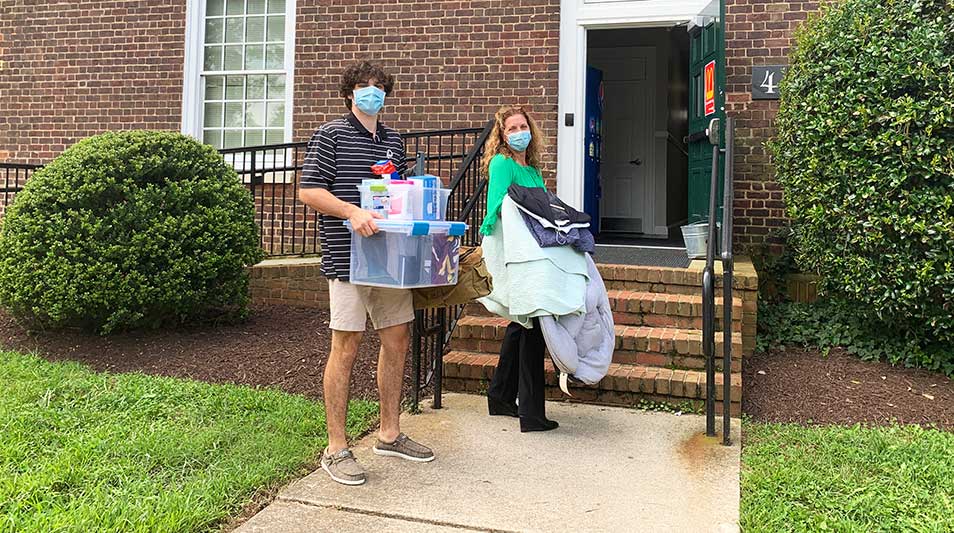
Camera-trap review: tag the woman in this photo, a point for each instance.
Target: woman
(512, 156)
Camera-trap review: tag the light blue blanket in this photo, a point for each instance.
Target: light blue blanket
(529, 281)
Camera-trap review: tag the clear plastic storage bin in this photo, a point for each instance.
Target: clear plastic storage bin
(410, 203)
(407, 254)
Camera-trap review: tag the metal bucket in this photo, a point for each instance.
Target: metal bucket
(696, 236)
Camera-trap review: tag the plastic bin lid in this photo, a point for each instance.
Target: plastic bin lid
(419, 227)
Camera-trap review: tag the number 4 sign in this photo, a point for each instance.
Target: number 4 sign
(710, 88)
(765, 81)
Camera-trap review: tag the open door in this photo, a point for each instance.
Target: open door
(706, 102)
(593, 148)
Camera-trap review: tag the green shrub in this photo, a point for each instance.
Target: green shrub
(128, 230)
(831, 323)
(865, 154)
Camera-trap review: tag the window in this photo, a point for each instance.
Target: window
(241, 72)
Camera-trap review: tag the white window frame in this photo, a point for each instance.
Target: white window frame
(192, 87)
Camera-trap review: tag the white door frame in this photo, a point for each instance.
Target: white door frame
(576, 17)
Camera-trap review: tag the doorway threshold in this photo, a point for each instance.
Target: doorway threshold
(623, 239)
(646, 246)
(658, 256)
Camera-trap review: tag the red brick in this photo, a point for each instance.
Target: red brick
(75, 76)
(653, 359)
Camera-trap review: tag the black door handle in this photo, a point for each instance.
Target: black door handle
(697, 136)
(636, 162)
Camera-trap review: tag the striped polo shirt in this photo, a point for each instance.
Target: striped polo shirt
(339, 156)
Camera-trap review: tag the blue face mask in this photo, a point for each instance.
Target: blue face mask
(369, 100)
(519, 141)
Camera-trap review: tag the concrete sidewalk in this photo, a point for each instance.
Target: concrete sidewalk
(604, 469)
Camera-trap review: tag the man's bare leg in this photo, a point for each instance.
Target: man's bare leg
(394, 344)
(337, 382)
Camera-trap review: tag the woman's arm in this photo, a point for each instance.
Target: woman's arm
(500, 174)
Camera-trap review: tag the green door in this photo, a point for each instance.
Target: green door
(706, 102)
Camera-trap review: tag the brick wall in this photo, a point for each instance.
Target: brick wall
(73, 69)
(295, 282)
(456, 62)
(758, 32)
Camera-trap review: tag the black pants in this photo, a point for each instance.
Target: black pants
(520, 370)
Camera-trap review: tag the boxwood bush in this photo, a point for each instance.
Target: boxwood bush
(127, 230)
(865, 154)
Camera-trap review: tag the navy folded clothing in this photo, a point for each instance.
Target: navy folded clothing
(579, 238)
(546, 205)
(550, 225)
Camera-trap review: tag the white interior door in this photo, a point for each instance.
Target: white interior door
(627, 165)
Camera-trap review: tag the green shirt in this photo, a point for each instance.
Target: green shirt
(503, 172)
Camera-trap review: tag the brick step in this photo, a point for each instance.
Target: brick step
(684, 311)
(688, 281)
(675, 280)
(624, 384)
(633, 308)
(651, 346)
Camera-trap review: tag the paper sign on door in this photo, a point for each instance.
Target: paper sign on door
(710, 88)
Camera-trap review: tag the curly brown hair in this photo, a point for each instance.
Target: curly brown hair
(363, 72)
(497, 142)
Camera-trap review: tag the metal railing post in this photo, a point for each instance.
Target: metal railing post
(727, 266)
(708, 295)
(439, 357)
(431, 329)
(416, 356)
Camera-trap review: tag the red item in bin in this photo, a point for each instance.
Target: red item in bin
(385, 169)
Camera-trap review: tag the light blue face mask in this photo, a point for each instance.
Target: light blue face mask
(519, 141)
(369, 99)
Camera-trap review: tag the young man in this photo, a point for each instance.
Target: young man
(339, 156)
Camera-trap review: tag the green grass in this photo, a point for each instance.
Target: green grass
(83, 451)
(835, 478)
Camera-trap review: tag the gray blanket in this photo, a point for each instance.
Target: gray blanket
(582, 346)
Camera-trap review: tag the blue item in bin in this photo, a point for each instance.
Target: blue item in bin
(431, 197)
(376, 255)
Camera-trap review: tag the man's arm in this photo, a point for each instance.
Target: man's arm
(324, 202)
(317, 177)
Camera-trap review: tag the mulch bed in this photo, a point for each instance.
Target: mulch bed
(286, 347)
(801, 385)
(279, 346)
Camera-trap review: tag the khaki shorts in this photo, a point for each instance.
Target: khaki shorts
(351, 305)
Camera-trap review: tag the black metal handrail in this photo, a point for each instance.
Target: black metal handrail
(728, 263)
(708, 287)
(433, 328)
(12, 178)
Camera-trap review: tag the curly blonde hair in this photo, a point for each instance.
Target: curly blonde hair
(497, 141)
